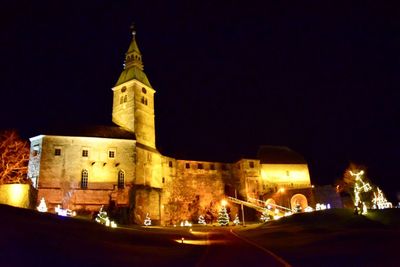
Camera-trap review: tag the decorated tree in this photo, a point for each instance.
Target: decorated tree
(223, 217)
(14, 154)
(201, 220)
(379, 200)
(42, 205)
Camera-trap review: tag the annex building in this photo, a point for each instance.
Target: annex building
(119, 166)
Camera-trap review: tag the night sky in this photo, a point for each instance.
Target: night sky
(319, 77)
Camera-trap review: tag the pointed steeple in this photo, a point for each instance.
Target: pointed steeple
(133, 65)
(133, 57)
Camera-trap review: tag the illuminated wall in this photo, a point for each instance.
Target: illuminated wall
(62, 162)
(286, 175)
(16, 195)
(133, 109)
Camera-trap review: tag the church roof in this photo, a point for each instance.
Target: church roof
(133, 73)
(102, 131)
(133, 66)
(279, 155)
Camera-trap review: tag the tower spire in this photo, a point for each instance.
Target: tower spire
(133, 58)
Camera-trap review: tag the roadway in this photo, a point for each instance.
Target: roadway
(226, 248)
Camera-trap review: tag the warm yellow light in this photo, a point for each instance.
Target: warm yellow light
(16, 195)
(224, 202)
(282, 190)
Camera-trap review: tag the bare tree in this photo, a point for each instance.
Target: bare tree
(14, 158)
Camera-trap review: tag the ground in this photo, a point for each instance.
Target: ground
(329, 238)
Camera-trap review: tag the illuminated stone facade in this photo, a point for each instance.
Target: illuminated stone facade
(119, 166)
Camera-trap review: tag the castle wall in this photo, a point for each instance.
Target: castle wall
(286, 175)
(193, 188)
(60, 175)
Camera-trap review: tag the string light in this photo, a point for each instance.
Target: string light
(359, 187)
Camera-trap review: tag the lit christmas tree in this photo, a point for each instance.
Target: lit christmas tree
(147, 221)
(201, 220)
(42, 206)
(223, 217)
(236, 221)
(380, 202)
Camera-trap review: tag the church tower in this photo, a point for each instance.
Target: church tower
(133, 99)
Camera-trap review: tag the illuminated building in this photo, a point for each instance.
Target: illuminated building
(84, 168)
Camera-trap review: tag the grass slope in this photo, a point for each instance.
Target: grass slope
(30, 238)
(334, 237)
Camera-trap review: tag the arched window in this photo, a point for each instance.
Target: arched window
(125, 98)
(84, 179)
(121, 100)
(121, 179)
(144, 90)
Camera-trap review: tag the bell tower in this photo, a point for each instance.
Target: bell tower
(133, 97)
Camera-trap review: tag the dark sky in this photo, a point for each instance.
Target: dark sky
(320, 77)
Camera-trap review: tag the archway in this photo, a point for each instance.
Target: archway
(298, 199)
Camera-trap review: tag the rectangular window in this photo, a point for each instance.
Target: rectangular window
(57, 152)
(251, 164)
(223, 167)
(200, 166)
(111, 154)
(212, 167)
(187, 166)
(170, 164)
(85, 153)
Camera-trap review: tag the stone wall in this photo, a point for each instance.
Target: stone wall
(193, 188)
(17, 195)
(60, 175)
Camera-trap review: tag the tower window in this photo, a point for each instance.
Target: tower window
(170, 164)
(57, 151)
(200, 166)
(84, 179)
(121, 100)
(163, 180)
(187, 166)
(123, 89)
(125, 98)
(144, 90)
(251, 164)
(111, 153)
(121, 179)
(85, 153)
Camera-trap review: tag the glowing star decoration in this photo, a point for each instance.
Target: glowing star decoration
(359, 187)
(42, 206)
(147, 221)
(201, 220)
(236, 221)
(379, 200)
(64, 212)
